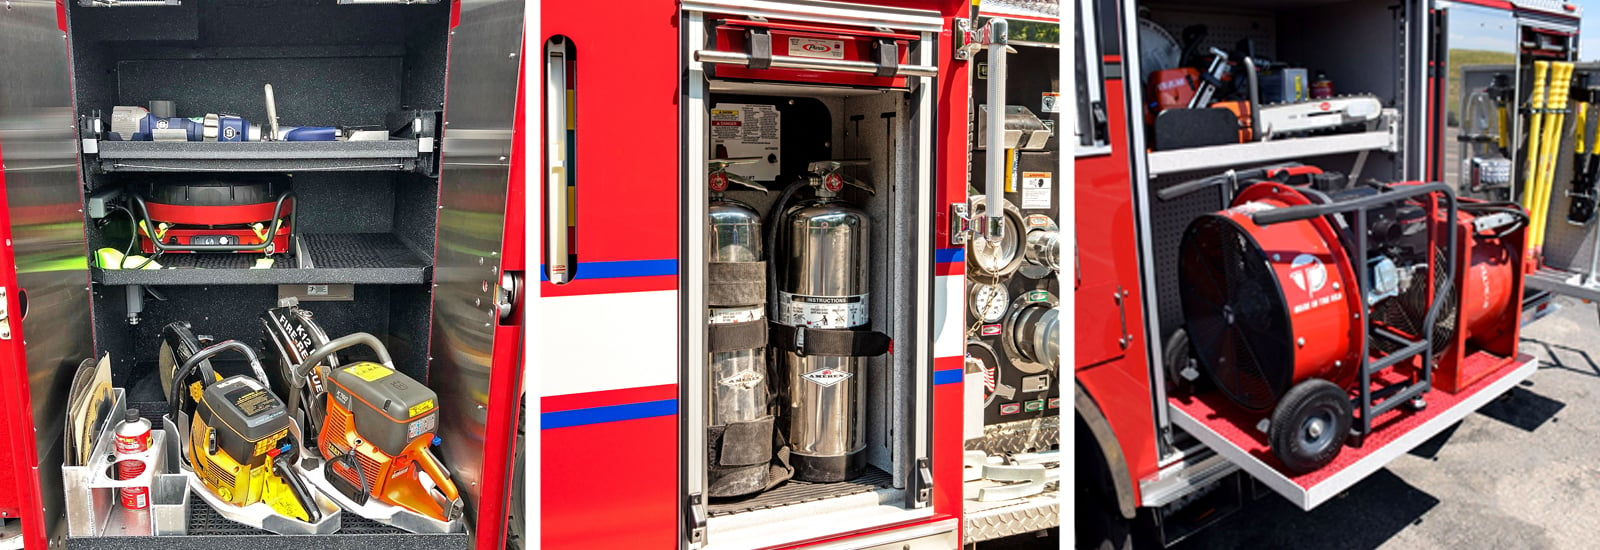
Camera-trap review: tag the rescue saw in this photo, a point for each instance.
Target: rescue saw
(374, 427)
(1282, 120)
(236, 441)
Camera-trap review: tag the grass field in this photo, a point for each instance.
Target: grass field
(1468, 58)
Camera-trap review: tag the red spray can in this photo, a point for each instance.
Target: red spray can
(132, 437)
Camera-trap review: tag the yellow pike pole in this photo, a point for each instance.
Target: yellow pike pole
(1561, 85)
(1536, 112)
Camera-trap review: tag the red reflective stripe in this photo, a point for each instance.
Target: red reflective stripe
(1497, 4)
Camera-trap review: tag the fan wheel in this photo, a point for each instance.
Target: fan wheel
(1309, 426)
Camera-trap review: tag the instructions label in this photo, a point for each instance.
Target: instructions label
(816, 47)
(748, 130)
(1036, 190)
(830, 312)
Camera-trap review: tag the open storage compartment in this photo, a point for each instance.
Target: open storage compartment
(1353, 42)
(817, 124)
(357, 220)
(878, 127)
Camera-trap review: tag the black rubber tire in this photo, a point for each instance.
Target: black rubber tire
(1098, 523)
(1178, 354)
(1290, 434)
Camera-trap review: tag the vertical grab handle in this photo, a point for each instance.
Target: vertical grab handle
(993, 37)
(556, 171)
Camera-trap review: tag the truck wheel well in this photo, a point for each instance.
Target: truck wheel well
(1098, 450)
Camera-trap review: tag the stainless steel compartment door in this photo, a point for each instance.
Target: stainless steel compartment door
(46, 235)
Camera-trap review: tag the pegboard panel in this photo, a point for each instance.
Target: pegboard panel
(1168, 219)
(1226, 27)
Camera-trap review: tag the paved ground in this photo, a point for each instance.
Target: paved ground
(1523, 472)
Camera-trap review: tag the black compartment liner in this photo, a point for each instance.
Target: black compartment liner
(261, 156)
(336, 258)
(797, 492)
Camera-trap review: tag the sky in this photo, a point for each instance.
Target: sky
(1588, 43)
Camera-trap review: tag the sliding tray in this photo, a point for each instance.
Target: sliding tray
(1232, 433)
(263, 156)
(326, 258)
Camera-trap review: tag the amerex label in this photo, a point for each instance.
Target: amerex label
(816, 47)
(799, 310)
(1036, 190)
(748, 130)
(826, 377)
(744, 380)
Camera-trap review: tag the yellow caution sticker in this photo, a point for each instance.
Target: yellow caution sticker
(422, 407)
(370, 372)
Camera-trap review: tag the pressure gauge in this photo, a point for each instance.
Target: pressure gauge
(988, 302)
(990, 261)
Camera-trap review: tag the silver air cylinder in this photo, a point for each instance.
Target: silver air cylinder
(825, 287)
(740, 426)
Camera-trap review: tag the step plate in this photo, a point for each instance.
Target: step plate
(1232, 433)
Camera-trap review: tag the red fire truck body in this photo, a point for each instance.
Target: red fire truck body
(1148, 462)
(622, 294)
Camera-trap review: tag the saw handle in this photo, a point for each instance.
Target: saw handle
(441, 477)
(324, 351)
(210, 376)
(283, 465)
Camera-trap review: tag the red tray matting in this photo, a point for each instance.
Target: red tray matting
(1231, 432)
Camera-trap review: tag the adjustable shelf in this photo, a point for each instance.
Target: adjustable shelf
(1262, 152)
(401, 155)
(329, 258)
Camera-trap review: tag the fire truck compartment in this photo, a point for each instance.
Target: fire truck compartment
(369, 222)
(832, 123)
(1233, 433)
(1352, 41)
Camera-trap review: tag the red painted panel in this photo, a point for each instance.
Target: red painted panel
(627, 126)
(948, 441)
(1121, 386)
(611, 485)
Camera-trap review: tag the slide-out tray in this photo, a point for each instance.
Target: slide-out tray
(1232, 433)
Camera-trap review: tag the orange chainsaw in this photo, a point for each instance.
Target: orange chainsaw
(377, 426)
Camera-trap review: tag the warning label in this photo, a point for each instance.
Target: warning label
(731, 315)
(1047, 103)
(798, 310)
(748, 130)
(1036, 190)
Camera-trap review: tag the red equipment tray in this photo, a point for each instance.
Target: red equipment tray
(1232, 433)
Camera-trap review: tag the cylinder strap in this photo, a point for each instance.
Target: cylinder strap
(737, 336)
(833, 342)
(736, 284)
